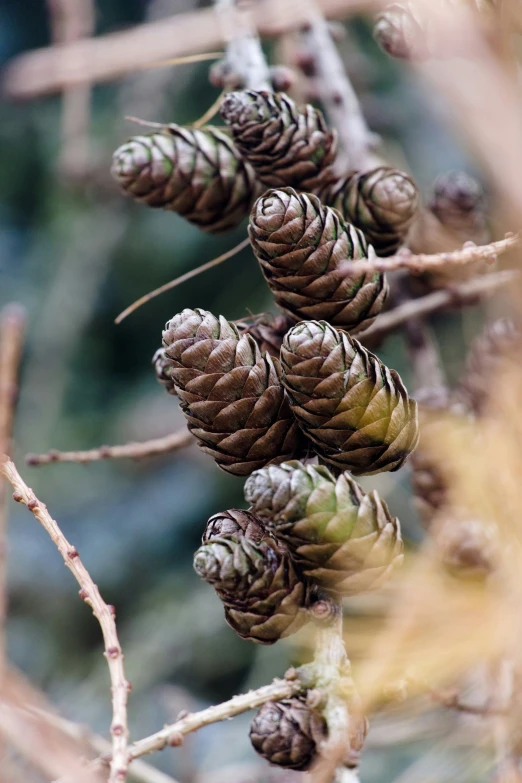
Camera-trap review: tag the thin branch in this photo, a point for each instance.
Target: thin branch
(338, 96)
(469, 254)
(148, 448)
(183, 279)
(173, 735)
(52, 69)
(463, 293)
(244, 57)
(104, 614)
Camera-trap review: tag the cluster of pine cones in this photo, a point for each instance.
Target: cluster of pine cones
(263, 396)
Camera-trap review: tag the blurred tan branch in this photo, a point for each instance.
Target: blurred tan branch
(462, 293)
(244, 56)
(148, 448)
(53, 69)
(469, 254)
(104, 614)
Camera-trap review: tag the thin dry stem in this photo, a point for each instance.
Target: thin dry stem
(149, 448)
(469, 254)
(173, 735)
(104, 614)
(460, 294)
(424, 354)
(338, 96)
(179, 280)
(244, 57)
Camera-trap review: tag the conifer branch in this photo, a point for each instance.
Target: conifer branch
(104, 614)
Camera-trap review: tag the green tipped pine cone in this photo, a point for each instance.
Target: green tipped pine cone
(285, 145)
(197, 173)
(232, 396)
(306, 252)
(343, 539)
(382, 203)
(354, 409)
(253, 575)
(286, 733)
(490, 353)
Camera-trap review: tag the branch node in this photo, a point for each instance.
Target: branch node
(73, 553)
(32, 504)
(175, 739)
(17, 496)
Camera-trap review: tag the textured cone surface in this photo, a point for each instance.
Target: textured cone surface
(382, 203)
(232, 396)
(467, 548)
(253, 575)
(494, 351)
(355, 410)
(286, 733)
(268, 331)
(285, 145)
(400, 33)
(343, 539)
(197, 173)
(160, 362)
(309, 256)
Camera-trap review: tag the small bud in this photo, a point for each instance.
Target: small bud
(282, 77)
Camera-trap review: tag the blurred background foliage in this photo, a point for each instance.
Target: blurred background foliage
(75, 253)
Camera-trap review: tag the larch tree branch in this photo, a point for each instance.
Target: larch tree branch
(468, 254)
(173, 734)
(139, 450)
(338, 96)
(244, 56)
(460, 294)
(105, 615)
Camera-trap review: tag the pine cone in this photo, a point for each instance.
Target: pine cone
(197, 173)
(490, 353)
(253, 575)
(231, 396)
(354, 409)
(286, 733)
(400, 32)
(161, 362)
(305, 250)
(284, 144)
(268, 331)
(342, 539)
(382, 203)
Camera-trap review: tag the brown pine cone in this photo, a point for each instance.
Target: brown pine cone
(286, 733)
(267, 330)
(491, 352)
(382, 203)
(197, 173)
(285, 145)
(160, 362)
(352, 407)
(309, 256)
(253, 575)
(342, 539)
(231, 396)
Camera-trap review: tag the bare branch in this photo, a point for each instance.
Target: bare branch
(173, 735)
(149, 448)
(104, 614)
(338, 95)
(464, 293)
(469, 254)
(244, 57)
(12, 331)
(424, 354)
(52, 69)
